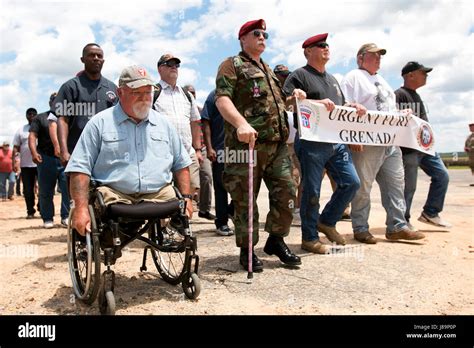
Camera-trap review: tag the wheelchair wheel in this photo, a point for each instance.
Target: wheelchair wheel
(84, 260)
(107, 303)
(191, 286)
(171, 258)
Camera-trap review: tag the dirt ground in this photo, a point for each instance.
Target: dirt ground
(431, 276)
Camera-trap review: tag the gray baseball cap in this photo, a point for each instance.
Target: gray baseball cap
(135, 77)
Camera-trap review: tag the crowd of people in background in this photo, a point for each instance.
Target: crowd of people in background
(251, 108)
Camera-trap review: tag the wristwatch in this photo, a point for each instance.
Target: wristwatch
(189, 196)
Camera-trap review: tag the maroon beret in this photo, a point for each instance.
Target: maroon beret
(315, 39)
(249, 26)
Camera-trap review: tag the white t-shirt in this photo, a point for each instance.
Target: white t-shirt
(21, 140)
(372, 91)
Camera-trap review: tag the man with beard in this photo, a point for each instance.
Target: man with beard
(132, 150)
(81, 98)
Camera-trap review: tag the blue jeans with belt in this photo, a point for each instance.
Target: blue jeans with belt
(434, 167)
(314, 157)
(50, 171)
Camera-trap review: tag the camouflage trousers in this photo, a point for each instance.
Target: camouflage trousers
(273, 165)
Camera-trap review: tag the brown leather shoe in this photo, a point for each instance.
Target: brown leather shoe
(404, 234)
(315, 246)
(365, 237)
(332, 234)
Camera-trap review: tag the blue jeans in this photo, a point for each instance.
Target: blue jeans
(384, 164)
(3, 184)
(314, 157)
(434, 167)
(50, 171)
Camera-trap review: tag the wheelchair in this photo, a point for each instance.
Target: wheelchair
(168, 239)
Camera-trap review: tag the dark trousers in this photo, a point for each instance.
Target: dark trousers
(223, 210)
(18, 185)
(29, 175)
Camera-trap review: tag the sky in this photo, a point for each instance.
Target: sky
(41, 43)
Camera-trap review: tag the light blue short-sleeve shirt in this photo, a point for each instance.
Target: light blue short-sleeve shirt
(126, 156)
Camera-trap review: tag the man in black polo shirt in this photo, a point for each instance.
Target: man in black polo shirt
(414, 76)
(49, 169)
(81, 98)
(315, 156)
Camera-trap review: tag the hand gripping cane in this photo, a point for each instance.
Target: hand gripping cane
(250, 227)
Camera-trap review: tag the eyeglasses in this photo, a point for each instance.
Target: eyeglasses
(257, 33)
(171, 64)
(321, 45)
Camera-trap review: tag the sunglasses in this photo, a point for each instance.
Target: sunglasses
(257, 33)
(321, 45)
(171, 64)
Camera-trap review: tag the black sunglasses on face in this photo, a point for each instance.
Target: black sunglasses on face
(257, 33)
(171, 64)
(321, 45)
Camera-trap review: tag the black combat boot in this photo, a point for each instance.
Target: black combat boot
(277, 246)
(257, 265)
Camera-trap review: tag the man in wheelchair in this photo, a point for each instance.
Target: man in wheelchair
(134, 153)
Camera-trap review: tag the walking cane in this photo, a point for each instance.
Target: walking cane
(250, 227)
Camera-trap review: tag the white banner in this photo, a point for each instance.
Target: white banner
(342, 125)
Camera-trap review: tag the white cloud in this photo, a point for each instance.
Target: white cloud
(43, 40)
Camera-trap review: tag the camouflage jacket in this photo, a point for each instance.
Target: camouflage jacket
(257, 94)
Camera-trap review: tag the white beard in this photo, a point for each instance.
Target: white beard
(141, 109)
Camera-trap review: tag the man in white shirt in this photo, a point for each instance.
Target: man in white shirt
(381, 163)
(29, 173)
(182, 112)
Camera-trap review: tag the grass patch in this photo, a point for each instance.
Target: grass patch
(458, 167)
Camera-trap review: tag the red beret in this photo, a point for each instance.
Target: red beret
(249, 26)
(314, 39)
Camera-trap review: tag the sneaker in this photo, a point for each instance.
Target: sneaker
(411, 227)
(206, 215)
(332, 234)
(30, 216)
(64, 222)
(404, 234)
(315, 247)
(48, 224)
(435, 220)
(224, 231)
